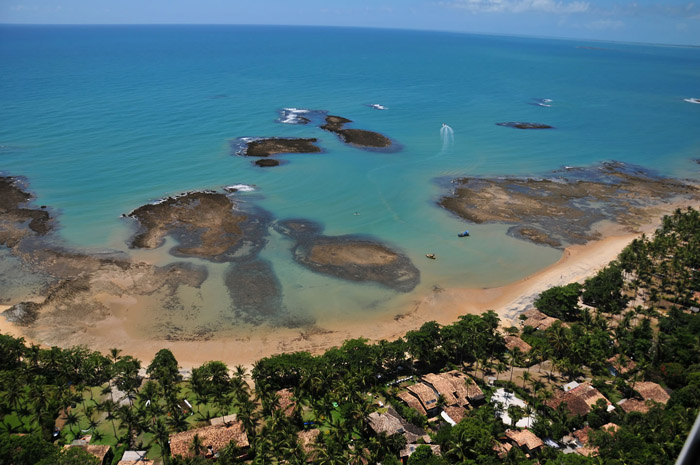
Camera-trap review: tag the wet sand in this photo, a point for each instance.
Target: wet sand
(123, 326)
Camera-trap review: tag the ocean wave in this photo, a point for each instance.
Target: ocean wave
(299, 115)
(541, 102)
(692, 100)
(240, 144)
(239, 188)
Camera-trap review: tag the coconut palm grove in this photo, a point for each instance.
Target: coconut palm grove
(604, 371)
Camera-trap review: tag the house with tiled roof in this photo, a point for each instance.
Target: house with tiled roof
(526, 440)
(455, 387)
(213, 438)
(307, 441)
(390, 423)
(538, 320)
(650, 393)
(579, 400)
(514, 342)
(620, 365)
(453, 415)
(502, 449)
(409, 449)
(412, 401)
(427, 397)
(286, 401)
(103, 452)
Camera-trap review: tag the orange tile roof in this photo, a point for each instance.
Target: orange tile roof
(425, 394)
(579, 400)
(98, 450)
(525, 438)
(502, 449)
(412, 401)
(652, 391)
(454, 386)
(286, 401)
(455, 413)
(307, 439)
(217, 436)
(582, 434)
(514, 341)
(621, 364)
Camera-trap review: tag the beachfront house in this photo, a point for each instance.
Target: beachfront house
(214, 438)
(537, 319)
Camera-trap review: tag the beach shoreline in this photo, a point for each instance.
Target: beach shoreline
(120, 328)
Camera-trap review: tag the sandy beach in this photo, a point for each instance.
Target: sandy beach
(121, 327)
(129, 326)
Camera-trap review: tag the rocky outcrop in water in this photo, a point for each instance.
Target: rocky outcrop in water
(205, 224)
(17, 219)
(521, 125)
(276, 145)
(563, 207)
(357, 137)
(352, 258)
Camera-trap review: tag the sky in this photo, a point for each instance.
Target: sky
(648, 21)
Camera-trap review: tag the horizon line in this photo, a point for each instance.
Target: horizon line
(445, 31)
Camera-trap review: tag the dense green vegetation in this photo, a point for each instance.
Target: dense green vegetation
(635, 309)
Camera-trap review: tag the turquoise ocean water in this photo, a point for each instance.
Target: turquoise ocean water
(101, 120)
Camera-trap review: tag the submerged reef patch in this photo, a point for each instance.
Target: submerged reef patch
(353, 258)
(563, 207)
(257, 295)
(205, 224)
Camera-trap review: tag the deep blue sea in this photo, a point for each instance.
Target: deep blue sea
(103, 119)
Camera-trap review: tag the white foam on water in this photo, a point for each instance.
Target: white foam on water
(378, 106)
(692, 100)
(240, 188)
(292, 115)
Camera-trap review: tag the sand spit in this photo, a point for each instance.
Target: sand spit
(349, 257)
(562, 208)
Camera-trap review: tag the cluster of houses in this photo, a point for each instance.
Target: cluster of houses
(444, 396)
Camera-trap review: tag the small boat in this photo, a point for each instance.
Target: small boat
(463, 234)
(430, 255)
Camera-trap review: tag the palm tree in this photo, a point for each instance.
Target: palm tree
(196, 447)
(72, 419)
(162, 438)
